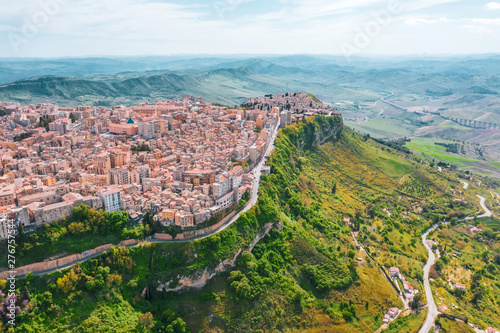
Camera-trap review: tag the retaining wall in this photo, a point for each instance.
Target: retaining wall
(53, 265)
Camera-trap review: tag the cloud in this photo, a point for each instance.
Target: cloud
(321, 8)
(417, 21)
(114, 18)
(493, 5)
(479, 29)
(483, 26)
(6, 28)
(423, 4)
(486, 21)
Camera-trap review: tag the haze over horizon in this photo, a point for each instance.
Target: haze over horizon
(58, 28)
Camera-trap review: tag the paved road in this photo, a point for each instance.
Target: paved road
(394, 105)
(433, 311)
(486, 210)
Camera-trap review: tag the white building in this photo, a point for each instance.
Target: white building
(5, 226)
(146, 130)
(149, 129)
(112, 200)
(225, 201)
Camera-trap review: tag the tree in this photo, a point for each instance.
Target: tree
(44, 300)
(417, 298)
(478, 293)
(334, 188)
(115, 279)
(22, 136)
(146, 320)
(73, 117)
(177, 326)
(348, 310)
(497, 258)
(241, 284)
(44, 122)
(67, 282)
(80, 213)
(20, 233)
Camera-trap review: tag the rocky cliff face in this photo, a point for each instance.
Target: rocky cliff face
(316, 131)
(328, 132)
(200, 280)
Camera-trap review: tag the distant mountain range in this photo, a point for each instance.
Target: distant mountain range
(231, 80)
(231, 85)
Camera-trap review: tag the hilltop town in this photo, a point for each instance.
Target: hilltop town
(181, 160)
(300, 104)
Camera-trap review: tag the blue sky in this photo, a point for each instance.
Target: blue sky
(57, 28)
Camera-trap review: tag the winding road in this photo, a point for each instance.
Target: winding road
(487, 212)
(433, 311)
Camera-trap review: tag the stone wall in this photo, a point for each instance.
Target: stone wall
(64, 262)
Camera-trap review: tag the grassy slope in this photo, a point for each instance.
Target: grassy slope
(67, 246)
(431, 151)
(383, 128)
(407, 322)
(427, 146)
(450, 326)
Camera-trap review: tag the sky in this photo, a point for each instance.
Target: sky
(60, 28)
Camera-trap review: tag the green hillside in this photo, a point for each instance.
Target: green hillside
(304, 274)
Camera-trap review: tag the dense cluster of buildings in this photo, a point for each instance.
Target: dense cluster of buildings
(294, 105)
(182, 160)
